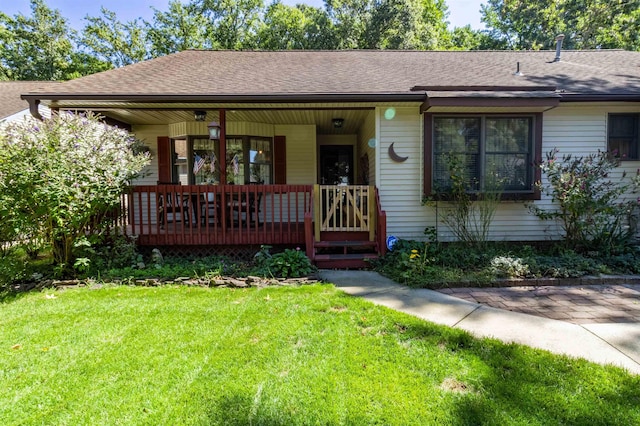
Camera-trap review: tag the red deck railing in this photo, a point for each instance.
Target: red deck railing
(216, 214)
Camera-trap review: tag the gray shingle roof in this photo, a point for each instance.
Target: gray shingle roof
(197, 72)
(10, 91)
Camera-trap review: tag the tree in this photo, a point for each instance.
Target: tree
(59, 175)
(114, 42)
(36, 47)
(180, 28)
(295, 27)
(604, 23)
(389, 24)
(350, 19)
(586, 24)
(85, 64)
(466, 38)
(407, 24)
(232, 24)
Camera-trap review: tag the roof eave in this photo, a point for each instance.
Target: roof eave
(217, 98)
(465, 102)
(600, 97)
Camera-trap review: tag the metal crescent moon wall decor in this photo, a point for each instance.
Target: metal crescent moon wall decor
(394, 156)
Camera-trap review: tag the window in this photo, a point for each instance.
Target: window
(491, 151)
(623, 132)
(196, 160)
(249, 160)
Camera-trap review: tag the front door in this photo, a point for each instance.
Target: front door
(336, 164)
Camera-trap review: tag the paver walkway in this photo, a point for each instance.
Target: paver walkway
(576, 304)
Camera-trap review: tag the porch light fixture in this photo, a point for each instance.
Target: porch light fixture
(337, 122)
(199, 115)
(214, 130)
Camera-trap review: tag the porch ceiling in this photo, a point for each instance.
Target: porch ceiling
(322, 117)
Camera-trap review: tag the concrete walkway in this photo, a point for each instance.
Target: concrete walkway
(603, 343)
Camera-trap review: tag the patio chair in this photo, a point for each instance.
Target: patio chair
(247, 205)
(172, 207)
(209, 207)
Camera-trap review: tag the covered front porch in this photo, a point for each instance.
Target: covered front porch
(337, 225)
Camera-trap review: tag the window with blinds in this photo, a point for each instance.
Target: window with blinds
(491, 153)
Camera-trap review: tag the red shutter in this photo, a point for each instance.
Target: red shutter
(164, 159)
(279, 160)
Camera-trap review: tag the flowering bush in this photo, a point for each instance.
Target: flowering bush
(59, 175)
(594, 211)
(510, 267)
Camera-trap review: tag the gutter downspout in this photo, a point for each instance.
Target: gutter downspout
(33, 108)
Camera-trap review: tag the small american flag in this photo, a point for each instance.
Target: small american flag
(236, 164)
(197, 164)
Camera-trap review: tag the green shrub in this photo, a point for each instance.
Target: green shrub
(289, 263)
(469, 213)
(99, 252)
(593, 211)
(12, 269)
(565, 264)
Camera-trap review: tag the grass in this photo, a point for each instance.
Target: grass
(278, 356)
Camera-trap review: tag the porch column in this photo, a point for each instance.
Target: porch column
(223, 147)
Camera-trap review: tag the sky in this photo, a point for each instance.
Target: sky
(461, 12)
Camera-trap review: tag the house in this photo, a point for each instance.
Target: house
(335, 150)
(14, 108)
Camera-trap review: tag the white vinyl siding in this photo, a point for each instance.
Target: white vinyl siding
(400, 184)
(571, 128)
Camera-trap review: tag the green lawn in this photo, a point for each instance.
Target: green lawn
(278, 356)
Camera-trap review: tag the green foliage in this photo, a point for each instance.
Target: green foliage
(296, 27)
(36, 47)
(466, 38)
(593, 211)
(179, 28)
(421, 264)
(12, 268)
(171, 268)
(389, 24)
(565, 264)
(586, 24)
(470, 215)
(61, 175)
(231, 24)
(287, 264)
(97, 253)
(112, 41)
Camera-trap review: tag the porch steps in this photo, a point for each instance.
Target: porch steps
(345, 244)
(344, 261)
(344, 254)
